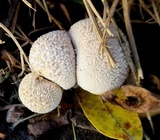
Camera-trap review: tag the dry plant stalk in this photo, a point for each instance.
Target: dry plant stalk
(34, 17)
(28, 4)
(154, 15)
(47, 11)
(93, 14)
(13, 24)
(50, 16)
(126, 13)
(23, 36)
(22, 54)
(111, 12)
(156, 11)
(10, 60)
(65, 11)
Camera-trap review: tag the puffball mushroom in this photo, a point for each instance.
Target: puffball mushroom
(93, 72)
(52, 56)
(38, 94)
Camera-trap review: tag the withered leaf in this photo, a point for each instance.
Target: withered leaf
(39, 128)
(14, 114)
(132, 98)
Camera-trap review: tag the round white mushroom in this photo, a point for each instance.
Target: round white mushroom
(93, 72)
(52, 56)
(38, 94)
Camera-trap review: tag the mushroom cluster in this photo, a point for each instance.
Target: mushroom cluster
(56, 67)
(52, 60)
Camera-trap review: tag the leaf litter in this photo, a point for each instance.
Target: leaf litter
(110, 120)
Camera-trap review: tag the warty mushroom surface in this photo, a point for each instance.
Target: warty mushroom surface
(38, 94)
(93, 72)
(52, 56)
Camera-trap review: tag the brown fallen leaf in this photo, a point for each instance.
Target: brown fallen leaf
(132, 98)
(52, 117)
(39, 128)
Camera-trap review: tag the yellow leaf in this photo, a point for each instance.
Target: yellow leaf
(110, 120)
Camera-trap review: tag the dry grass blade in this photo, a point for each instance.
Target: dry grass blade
(149, 11)
(95, 12)
(47, 11)
(101, 36)
(34, 17)
(65, 11)
(122, 41)
(93, 20)
(37, 30)
(13, 26)
(10, 60)
(28, 4)
(105, 5)
(23, 37)
(156, 11)
(111, 12)
(126, 13)
(22, 54)
(54, 20)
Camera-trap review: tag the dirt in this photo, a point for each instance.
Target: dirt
(147, 40)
